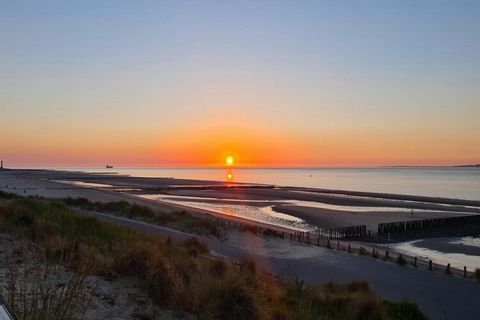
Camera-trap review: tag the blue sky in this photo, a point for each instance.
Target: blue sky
(330, 69)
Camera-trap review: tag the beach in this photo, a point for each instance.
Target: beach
(281, 257)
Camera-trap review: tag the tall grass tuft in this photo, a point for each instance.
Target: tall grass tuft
(36, 293)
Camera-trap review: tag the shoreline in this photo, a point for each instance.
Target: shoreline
(285, 200)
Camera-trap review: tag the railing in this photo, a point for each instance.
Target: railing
(337, 239)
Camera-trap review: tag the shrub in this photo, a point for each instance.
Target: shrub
(218, 268)
(19, 214)
(37, 294)
(8, 195)
(403, 310)
(134, 260)
(248, 265)
(363, 251)
(477, 274)
(195, 246)
(229, 298)
(164, 284)
(178, 220)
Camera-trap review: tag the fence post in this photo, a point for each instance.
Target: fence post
(349, 249)
(465, 271)
(386, 254)
(447, 271)
(430, 265)
(415, 262)
(338, 245)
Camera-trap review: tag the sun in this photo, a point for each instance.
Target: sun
(229, 160)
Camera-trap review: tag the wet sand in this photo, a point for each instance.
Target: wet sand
(334, 219)
(448, 245)
(43, 182)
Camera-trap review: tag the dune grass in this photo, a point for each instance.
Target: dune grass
(184, 276)
(179, 220)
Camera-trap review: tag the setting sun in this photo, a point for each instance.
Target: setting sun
(229, 160)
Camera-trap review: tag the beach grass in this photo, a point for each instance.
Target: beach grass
(179, 220)
(184, 276)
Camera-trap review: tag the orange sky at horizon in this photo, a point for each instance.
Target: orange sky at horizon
(207, 144)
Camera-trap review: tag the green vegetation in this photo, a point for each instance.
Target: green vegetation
(179, 220)
(184, 276)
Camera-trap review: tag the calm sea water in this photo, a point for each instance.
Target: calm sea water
(462, 183)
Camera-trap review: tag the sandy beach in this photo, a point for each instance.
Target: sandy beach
(319, 208)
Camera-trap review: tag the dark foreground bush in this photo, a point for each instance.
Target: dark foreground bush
(403, 310)
(228, 298)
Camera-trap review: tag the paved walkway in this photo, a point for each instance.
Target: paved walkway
(439, 296)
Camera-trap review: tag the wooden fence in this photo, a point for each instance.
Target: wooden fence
(415, 225)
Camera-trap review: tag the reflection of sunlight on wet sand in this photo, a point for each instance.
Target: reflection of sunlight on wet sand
(457, 260)
(254, 213)
(228, 212)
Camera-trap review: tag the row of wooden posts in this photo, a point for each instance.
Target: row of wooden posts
(207, 187)
(332, 239)
(415, 225)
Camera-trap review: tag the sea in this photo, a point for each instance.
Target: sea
(448, 182)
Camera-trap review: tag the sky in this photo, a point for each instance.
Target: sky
(273, 83)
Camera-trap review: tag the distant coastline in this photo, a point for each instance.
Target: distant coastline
(468, 166)
(426, 166)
